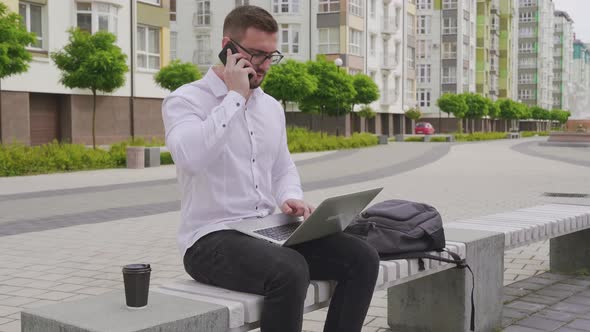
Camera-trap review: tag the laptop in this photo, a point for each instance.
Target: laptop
(333, 215)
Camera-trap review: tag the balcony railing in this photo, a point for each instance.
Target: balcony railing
(449, 80)
(449, 55)
(449, 30)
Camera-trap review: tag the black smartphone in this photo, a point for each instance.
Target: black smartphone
(223, 54)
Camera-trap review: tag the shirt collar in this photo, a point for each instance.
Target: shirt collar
(219, 88)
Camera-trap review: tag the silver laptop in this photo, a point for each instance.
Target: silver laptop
(333, 215)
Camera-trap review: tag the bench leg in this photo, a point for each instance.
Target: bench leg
(442, 302)
(570, 253)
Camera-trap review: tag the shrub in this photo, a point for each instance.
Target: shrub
(302, 140)
(478, 137)
(413, 139)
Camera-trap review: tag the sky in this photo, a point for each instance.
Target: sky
(578, 11)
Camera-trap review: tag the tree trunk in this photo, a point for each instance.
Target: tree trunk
(460, 126)
(94, 119)
(284, 106)
(506, 125)
(321, 124)
(0, 111)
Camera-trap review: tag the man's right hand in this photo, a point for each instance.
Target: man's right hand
(236, 73)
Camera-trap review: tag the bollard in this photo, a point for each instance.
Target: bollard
(152, 156)
(135, 157)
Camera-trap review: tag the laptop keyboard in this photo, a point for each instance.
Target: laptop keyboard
(279, 233)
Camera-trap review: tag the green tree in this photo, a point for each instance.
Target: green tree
(560, 116)
(539, 113)
(14, 38)
(493, 113)
(413, 114)
(289, 82)
(477, 108)
(177, 74)
(453, 104)
(91, 62)
(366, 112)
(509, 110)
(335, 92)
(366, 90)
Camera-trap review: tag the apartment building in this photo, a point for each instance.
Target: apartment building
(563, 58)
(445, 51)
(579, 96)
(36, 108)
(367, 35)
(535, 52)
(488, 48)
(508, 66)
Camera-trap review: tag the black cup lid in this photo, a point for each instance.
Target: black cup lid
(136, 266)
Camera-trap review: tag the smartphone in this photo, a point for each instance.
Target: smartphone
(223, 54)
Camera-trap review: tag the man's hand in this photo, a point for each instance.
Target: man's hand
(296, 207)
(236, 73)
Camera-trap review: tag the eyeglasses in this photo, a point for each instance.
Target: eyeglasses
(260, 58)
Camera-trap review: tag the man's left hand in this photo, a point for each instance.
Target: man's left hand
(297, 207)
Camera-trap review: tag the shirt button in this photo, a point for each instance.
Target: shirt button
(253, 160)
(257, 208)
(223, 125)
(238, 104)
(251, 133)
(256, 186)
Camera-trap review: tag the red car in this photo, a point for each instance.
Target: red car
(424, 128)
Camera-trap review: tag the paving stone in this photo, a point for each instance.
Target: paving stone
(517, 328)
(540, 323)
(571, 307)
(580, 324)
(554, 276)
(561, 294)
(527, 285)
(567, 329)
(539, 280)
(513, 291)
(13, 326)
(555, 315)
(566, 287)
(583, 300)
(540, 299)
(514, 313)
(585, 283)
(508, 298)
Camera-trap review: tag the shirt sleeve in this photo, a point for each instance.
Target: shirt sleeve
(286, 183)
(194, 138)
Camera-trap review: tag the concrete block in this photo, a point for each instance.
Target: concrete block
(135, 157)
(108, 313)
(399, 138)
(383, 139)
(450, 138)
(445, 297)
(570, 253)
(152, 157)
(427, 138)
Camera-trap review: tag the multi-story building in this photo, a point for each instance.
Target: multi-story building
(488, 48)
(409, 73)
(36, 108)
(508, 65)
(579, 96)
(535, 52)
(563, 56)
(367, 35)
(445, 51)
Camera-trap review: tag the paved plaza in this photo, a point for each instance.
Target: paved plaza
(65, 236)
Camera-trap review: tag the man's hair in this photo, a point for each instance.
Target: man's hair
(243, 17)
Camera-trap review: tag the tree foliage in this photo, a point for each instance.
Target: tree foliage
(413, 113)
(14, 38)
(289, 82)
(366, 90)
(177, 74)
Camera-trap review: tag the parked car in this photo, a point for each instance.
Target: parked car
(424, 128)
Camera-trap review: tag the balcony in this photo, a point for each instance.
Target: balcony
(449, 80)
(527, 66)
(450, 30)
(388, 98)
(494, 67)
(388, 61)
(388, 25)
(449, 55)
(203, 57)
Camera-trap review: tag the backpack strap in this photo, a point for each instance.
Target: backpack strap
(461, 263)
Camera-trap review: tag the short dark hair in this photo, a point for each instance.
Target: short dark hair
(243, 17)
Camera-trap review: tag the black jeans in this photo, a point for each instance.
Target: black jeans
(235, 261)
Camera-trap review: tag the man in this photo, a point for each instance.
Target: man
(228, 141)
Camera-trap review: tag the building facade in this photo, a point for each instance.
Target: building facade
(563, 59)
(36, 108)
(579, 97)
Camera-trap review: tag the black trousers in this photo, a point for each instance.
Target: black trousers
(235, 261)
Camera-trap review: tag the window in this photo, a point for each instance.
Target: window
(289, 38)
(356, 7)
(526, 32)
(526, 47)
(423, 24)
(449, 50)
(152, 2)
(203, 47)
(524, 17)
(424, 4)
(172, 10)
(449, 4)
(173, 45)
(449, 75)
(242, 3)
(450, 26)
(329, 40)
(423, 49)
(356, 40)
(411, 27)
(398, 17)
(411, 57)
(528, 3)
(32, 20)
(97, 16)
(285, 6)
(203, 15)
(525, 78)
(423, 74)
(373, 9)
(329, 6)
(148, 47)
(410, 91)
(373, 44)
(525, 94)
(423, 97)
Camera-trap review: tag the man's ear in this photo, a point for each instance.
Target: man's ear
(224, 41)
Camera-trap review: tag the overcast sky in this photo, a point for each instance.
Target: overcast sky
(578, 11)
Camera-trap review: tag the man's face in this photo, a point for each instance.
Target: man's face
(257, 41)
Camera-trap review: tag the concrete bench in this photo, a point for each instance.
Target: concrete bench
(435, 299)
(513, 135)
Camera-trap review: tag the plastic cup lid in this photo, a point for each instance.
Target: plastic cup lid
(136, 267)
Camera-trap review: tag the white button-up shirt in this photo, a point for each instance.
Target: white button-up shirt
(231, 156)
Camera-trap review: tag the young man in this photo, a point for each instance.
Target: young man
(228, 141)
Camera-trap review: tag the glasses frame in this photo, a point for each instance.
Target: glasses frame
(270, 56)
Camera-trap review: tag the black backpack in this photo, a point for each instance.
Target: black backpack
(400, 229)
